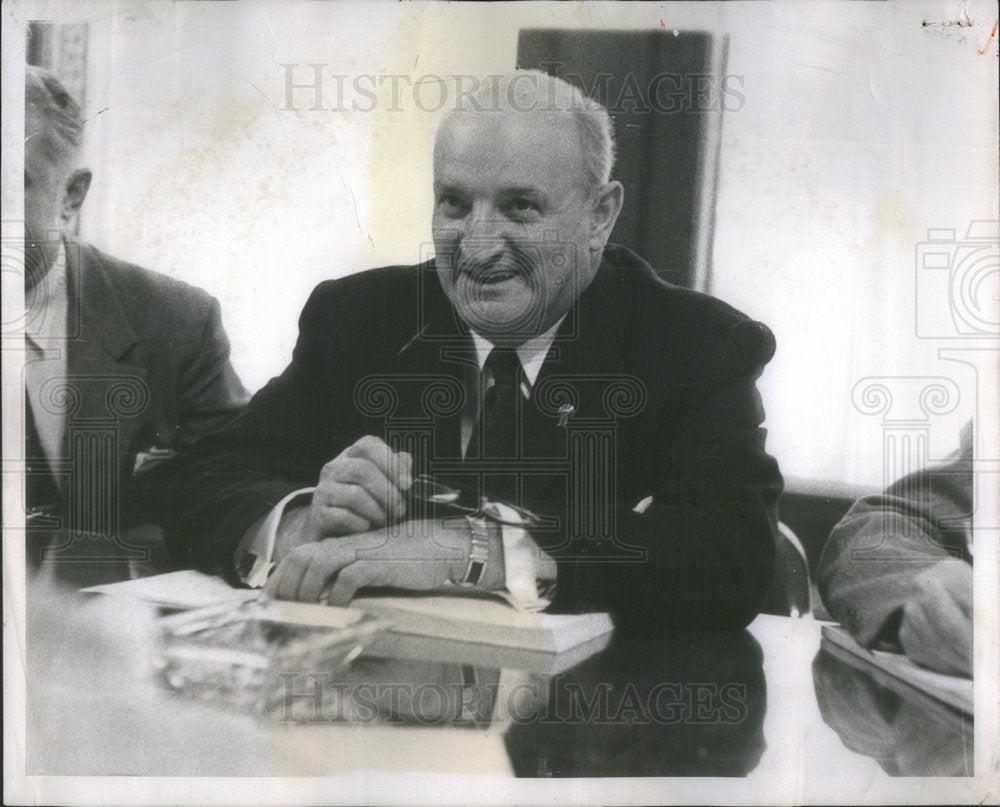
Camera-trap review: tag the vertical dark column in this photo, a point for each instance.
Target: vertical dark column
(592, 469)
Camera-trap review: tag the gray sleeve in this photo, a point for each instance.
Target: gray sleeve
(869, 566)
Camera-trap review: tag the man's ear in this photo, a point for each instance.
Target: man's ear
(607, 206)
(76, 191)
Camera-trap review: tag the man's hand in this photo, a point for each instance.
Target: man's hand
(413, 555)
(936, 631)
(359, 490)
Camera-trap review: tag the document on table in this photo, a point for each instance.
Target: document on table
(184, 589)
(953, 690)
(485, 620)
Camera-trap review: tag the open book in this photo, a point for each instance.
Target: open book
(477, 620)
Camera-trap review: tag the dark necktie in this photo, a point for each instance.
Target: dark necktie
(500, 405)
(498, 425)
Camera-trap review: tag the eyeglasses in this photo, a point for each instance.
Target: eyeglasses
(429, 490)
(45, 516)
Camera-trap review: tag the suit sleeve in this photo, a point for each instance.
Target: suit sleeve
(210, 392)
(229, 478)
(200, 392)
(708, 537)
(869, 566)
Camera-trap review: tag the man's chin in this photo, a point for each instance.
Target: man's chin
(503, 320)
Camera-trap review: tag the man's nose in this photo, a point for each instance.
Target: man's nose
(485, 234)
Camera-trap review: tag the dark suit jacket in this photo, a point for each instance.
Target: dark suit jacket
(870, 563)
(661, 381)
(147, 372)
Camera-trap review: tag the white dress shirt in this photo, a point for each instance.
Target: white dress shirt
(45, 334)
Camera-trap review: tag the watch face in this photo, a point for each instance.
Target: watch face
(475, 572)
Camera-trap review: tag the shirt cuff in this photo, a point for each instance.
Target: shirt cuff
(530, 573)
(255, 552)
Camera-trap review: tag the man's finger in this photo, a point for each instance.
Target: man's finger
(284, 581)
(332, 556)
(397, 466)
(330, 520)
(352, 472)
(953, 627)
(357, 499)
(960, 589)
(404, 469)
(946, 618)
(350, 579)
(949, 579)
(933, 634)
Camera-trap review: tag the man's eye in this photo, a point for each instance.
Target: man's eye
(451, 205)
(522, 206)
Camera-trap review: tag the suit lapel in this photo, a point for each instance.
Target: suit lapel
(434, 362)
(111, 392)
(587, 351)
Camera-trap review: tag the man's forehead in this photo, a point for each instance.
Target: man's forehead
(509, 126)
(515, 145)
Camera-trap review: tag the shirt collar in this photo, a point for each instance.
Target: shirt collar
(531, 353)
(48, 304)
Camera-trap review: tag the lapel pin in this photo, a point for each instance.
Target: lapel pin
(566, 411)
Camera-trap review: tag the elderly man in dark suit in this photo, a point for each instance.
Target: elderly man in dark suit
(123, 367)
(602, 426)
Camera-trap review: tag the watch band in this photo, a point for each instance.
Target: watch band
(478, 550)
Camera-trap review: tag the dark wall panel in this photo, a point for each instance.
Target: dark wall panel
(659, 92)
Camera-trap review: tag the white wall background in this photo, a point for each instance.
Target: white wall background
(864, 125)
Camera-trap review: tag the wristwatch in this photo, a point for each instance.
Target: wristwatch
(478, 550)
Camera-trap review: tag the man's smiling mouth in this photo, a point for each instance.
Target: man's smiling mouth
(495, 276)
(493, 272)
